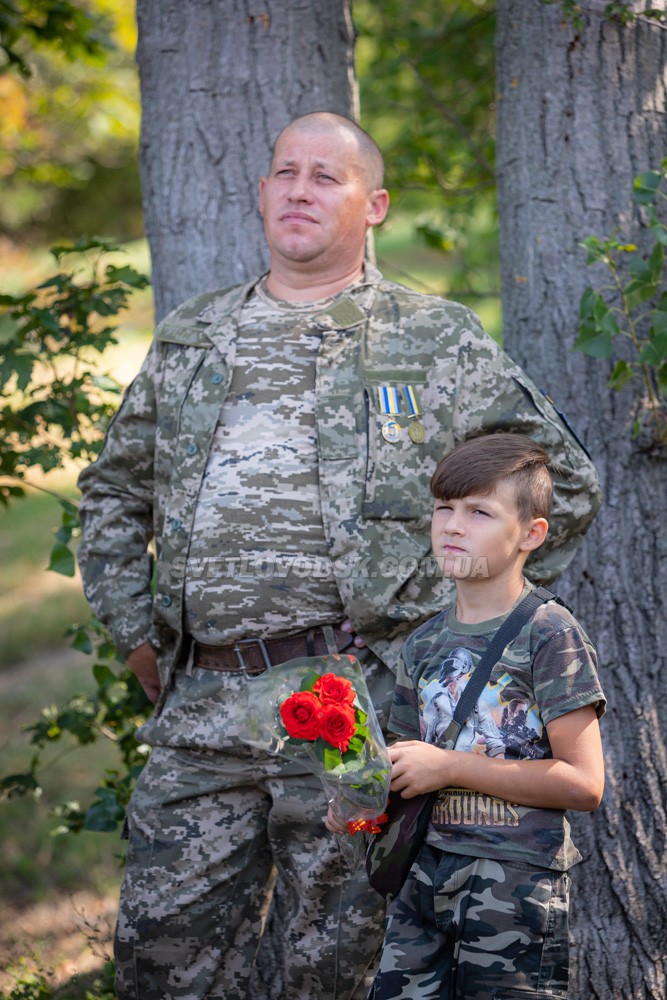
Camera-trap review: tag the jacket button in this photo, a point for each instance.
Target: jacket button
(191, 449)
(216, 379)
(176, 523)
(165, 600)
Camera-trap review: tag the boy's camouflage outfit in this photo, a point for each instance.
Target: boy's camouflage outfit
(217, 504)
(483, 913)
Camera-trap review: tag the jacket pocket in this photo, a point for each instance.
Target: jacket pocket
(399, 465)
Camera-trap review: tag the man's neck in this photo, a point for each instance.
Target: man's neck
(295, 286)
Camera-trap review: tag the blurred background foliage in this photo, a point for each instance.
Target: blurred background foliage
(70, 122)
(427, 79)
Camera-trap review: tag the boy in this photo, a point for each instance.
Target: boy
(483, 912)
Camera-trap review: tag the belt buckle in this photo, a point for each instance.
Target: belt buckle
(239, 656)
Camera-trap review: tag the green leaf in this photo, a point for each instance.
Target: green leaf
(654, 350)
(597, 249)
(662, 379)
(104, 676)
(105, 813)
(436, 237)
(83, 245)
(590, 341)
(62, 560)
(605, 321)
(656, 261)
(332, 758)
(70, 516)
(646, 186)
(309, 680)
(106, 382)
(19, 363)
(13, 785)
(82, 641)
(128, 275)
(621, 375)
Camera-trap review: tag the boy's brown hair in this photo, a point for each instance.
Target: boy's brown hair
(477, 465)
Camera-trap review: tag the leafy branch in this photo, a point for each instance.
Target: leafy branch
(54, 408)
(620, 11)
(113, 711)
(57, 23)
(633, 308)
(54, 403)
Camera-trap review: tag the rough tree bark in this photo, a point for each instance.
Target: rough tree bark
(580, 114)
(219, 79)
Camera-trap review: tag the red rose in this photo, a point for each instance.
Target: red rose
(333, 689)
(301, 714)
(337, 725)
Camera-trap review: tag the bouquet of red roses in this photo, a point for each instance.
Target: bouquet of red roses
(317, 710)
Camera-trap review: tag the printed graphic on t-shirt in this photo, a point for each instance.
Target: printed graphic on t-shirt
(503, 723)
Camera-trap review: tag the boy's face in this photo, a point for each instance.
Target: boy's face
(482, 537)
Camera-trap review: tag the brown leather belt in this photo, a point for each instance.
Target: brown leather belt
(254, 656)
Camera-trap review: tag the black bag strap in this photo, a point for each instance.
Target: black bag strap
(509, 629)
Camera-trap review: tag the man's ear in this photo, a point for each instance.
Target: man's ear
(262, 185)
(535, 533)
(378, 205)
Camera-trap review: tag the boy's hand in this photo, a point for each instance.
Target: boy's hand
(418, 767)
(333, 823)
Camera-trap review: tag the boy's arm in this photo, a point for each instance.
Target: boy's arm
(572, 779)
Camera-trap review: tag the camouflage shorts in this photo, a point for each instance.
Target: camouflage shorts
(205, 829)
(467, 928)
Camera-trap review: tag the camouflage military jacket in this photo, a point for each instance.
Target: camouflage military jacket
(375, 497)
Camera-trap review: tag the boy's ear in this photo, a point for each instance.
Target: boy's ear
(536, 532)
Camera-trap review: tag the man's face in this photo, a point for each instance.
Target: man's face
(316, 203)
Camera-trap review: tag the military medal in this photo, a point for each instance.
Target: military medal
(390, 406)
(391, 431)
(417, 432)
(415, 427)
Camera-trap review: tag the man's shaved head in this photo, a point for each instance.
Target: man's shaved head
(370, 157)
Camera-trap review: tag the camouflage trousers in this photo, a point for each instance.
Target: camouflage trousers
(205, 830)
(466, 928)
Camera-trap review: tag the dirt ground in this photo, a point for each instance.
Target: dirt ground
(65, 937)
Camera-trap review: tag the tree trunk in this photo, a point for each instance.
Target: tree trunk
(580, 114)
(219, 79)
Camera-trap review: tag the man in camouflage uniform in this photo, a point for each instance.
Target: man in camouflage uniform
(277, 445)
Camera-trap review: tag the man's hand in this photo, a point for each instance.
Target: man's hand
(348, 627)
(142, 662)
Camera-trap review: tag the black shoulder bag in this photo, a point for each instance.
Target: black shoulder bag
(391, 852)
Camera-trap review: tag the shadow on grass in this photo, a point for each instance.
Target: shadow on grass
(97, 985)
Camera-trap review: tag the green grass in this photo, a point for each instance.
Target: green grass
(36, 606)
(35, 863)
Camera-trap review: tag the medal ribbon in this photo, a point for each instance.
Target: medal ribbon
(414, 410)
(389, 400)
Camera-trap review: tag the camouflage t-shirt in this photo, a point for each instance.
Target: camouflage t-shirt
(547, 671)
(258, 563)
